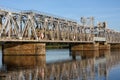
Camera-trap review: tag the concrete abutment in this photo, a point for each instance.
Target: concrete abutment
(23, 54)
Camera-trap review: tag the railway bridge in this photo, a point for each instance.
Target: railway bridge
(27, 32)
(33, 26)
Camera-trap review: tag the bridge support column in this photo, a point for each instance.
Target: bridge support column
(83, 48)
(23, 54)
(88, 50)
(104, 46)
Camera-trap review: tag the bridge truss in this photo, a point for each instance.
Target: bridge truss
(39, 27)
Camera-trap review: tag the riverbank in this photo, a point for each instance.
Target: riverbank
(56, 46)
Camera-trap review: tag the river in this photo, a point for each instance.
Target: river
(59, 65)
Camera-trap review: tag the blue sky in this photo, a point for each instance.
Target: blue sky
(102, 10)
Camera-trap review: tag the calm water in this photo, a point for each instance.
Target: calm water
(60, 66)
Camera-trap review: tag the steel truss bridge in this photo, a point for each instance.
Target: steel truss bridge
(34, 26)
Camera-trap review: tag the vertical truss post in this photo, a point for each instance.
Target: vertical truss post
(105, 31)
(68, 30)
(92, 28)
(45, 26)
(0, 22)
(20, 26)
(57, 27)
(9, 25)
(9, 29)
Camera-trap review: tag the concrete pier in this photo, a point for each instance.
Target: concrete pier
(85, 47)
(23, 54)
(95, 46)
(88, 50)
(104, 46)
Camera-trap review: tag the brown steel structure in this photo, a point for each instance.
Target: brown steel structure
(33, 26)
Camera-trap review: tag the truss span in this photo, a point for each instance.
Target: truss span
(35, 26)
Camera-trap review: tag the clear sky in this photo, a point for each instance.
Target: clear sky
(102, 10)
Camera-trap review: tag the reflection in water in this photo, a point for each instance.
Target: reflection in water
(70, 70)
(23, 61)
(91, 54)
(96, 68)
(75, 70)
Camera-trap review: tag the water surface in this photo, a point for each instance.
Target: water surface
(59, 65)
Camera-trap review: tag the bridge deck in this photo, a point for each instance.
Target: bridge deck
(47, 41)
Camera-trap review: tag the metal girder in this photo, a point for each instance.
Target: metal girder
(33, 25)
